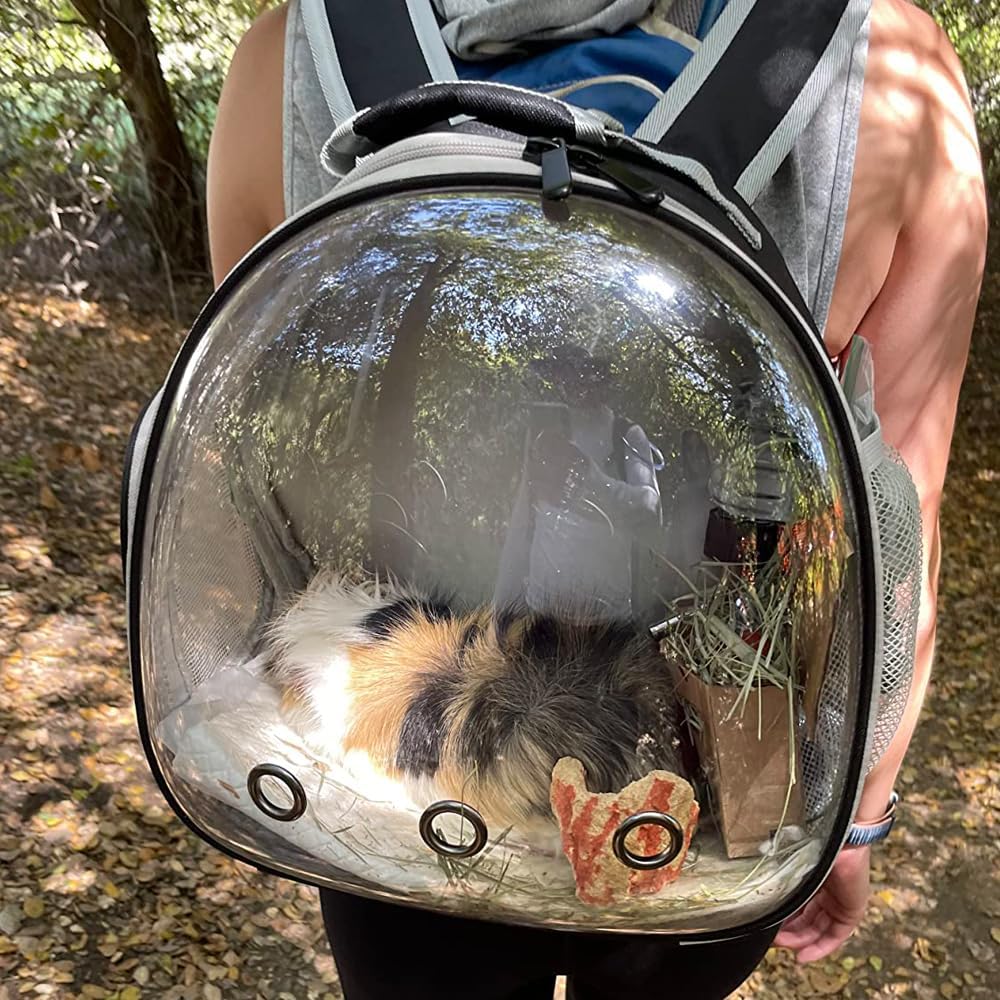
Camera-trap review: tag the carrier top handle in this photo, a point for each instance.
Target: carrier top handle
(762, 72)
(514, 109)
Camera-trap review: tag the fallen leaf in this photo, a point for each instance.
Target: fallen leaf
(827, 983)
(10, 919)
(48, 499)
(90, 458)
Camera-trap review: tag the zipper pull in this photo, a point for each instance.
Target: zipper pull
(555, 158)
(557, 180)
(552, 154)
(643, 190)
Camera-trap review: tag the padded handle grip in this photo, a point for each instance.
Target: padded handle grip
(502, 106)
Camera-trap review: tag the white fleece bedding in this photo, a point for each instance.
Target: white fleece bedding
(365, 825)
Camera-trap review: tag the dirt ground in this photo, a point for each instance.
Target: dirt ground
(104, 893)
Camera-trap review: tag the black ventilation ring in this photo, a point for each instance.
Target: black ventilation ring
(437, 843)
(264, 804)
(651, 861)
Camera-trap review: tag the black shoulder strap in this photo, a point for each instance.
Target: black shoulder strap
(366, 52)
(754, 85)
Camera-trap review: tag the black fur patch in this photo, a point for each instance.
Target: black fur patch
(505, 618)
(541, 639)
(423, 731)
(382, 621)
(568, 691)
(547, 639)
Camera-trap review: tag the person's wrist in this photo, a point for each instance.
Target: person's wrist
(878, 789)
(864, 832)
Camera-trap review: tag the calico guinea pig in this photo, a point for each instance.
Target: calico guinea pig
(474, 706)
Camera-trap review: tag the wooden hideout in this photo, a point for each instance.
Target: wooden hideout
(749, 773)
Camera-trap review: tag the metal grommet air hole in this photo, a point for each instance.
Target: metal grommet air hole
(647, 862)
(437, 843)
(256, 789)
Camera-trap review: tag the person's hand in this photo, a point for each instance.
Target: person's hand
(831, 916)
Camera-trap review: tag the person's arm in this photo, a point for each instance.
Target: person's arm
(919, 326)
(244, 185)
(634, 501)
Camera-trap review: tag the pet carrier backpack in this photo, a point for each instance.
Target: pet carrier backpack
(503, 541)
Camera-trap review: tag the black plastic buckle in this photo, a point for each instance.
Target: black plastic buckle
(553, 156)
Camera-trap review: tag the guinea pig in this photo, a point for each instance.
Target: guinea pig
(475, 706)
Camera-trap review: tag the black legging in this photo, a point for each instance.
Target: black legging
(386, 952)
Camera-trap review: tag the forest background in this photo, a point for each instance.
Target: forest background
(106, 109)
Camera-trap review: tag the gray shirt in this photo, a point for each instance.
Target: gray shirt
(576, 530)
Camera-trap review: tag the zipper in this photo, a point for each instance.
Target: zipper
(554, 156)
(558, 160)
(440, 144)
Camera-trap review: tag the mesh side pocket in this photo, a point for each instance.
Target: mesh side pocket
(897, 520)
(897, 514)
(822, 753)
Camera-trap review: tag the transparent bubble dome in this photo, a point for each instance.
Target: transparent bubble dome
(500, 560)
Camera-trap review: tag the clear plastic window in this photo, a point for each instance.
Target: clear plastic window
(521, 545)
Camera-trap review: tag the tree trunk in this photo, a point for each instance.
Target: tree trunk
(176, 210)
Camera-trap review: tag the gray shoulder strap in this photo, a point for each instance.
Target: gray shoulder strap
(745, 97)
(367, 52)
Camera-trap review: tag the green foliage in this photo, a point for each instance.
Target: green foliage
(974, 29)
(73, 199)
(196, 45)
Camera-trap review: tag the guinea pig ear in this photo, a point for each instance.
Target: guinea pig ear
(510, 624)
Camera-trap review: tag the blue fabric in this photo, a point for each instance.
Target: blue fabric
(632, 52)
(709, 15)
